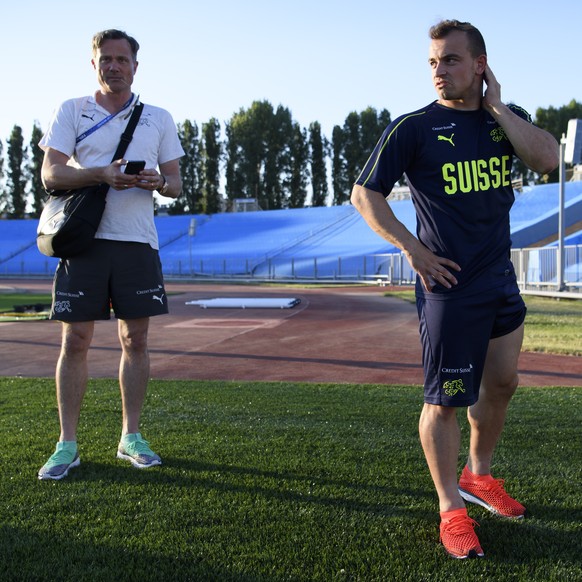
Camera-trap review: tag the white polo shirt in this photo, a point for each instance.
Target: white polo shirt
(129, 214)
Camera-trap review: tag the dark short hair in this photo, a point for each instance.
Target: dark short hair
(475, 38)
(114, 34)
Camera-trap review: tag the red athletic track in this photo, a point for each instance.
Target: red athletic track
(336, 335)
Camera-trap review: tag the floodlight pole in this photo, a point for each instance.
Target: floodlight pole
(191, 233)
(561, 226)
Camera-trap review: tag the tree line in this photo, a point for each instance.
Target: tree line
(262, 153)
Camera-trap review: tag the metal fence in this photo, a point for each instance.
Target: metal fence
(543, 271)
(386, 268)
(538, 270)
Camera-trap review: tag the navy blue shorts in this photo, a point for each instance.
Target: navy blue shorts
(455, 334)
(125, 276)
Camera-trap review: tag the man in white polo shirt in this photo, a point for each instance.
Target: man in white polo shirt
(121, 270)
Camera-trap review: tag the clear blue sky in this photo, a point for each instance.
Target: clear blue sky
(320, 58)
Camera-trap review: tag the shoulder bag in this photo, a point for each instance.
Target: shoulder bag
(70, 218)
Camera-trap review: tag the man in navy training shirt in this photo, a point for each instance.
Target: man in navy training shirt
(456, 154)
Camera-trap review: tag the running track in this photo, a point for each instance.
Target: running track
(335, 335)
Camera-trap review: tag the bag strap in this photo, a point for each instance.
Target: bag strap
(103, 121)
(127, 135)
(124, 141)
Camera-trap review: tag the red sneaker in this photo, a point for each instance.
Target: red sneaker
(458, 535)
(488, 492)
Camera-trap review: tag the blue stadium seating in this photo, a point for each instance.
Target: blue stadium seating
(534, 216)
(328, 242)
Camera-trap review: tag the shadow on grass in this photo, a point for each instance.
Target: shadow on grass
(508, 541)
(70, 559)
(285, 486)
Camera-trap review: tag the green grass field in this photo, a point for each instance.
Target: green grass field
(273, 482)
(9, 300)
(24, 306)
(552, 326)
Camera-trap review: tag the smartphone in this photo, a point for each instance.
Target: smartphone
(134, 167)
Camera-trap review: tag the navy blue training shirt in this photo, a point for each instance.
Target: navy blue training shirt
(458, 167)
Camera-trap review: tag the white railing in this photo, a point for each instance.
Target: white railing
(536, 268)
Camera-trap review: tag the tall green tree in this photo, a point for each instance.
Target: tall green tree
(247, 134)
(278, 144)
(34, 171)
(3, 198)
(190, 170)
(352, 145)
(235, 179)
(372, 125)
(555, 120)
(259, 160)
(299, 173)
(318, 147)
(16, 176)
(519, 171)
(339, 180)
(353, 151)
(211, 157)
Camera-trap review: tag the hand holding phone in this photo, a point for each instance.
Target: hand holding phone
(134, 167)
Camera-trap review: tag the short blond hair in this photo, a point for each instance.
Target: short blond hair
(475, 38)
(114, 34)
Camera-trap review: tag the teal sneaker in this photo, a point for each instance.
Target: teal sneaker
(64, 458)
(136, 450)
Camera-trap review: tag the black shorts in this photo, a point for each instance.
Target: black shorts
(455, 336)
(123, 276)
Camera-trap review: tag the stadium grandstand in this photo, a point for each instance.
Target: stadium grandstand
(322, 244)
